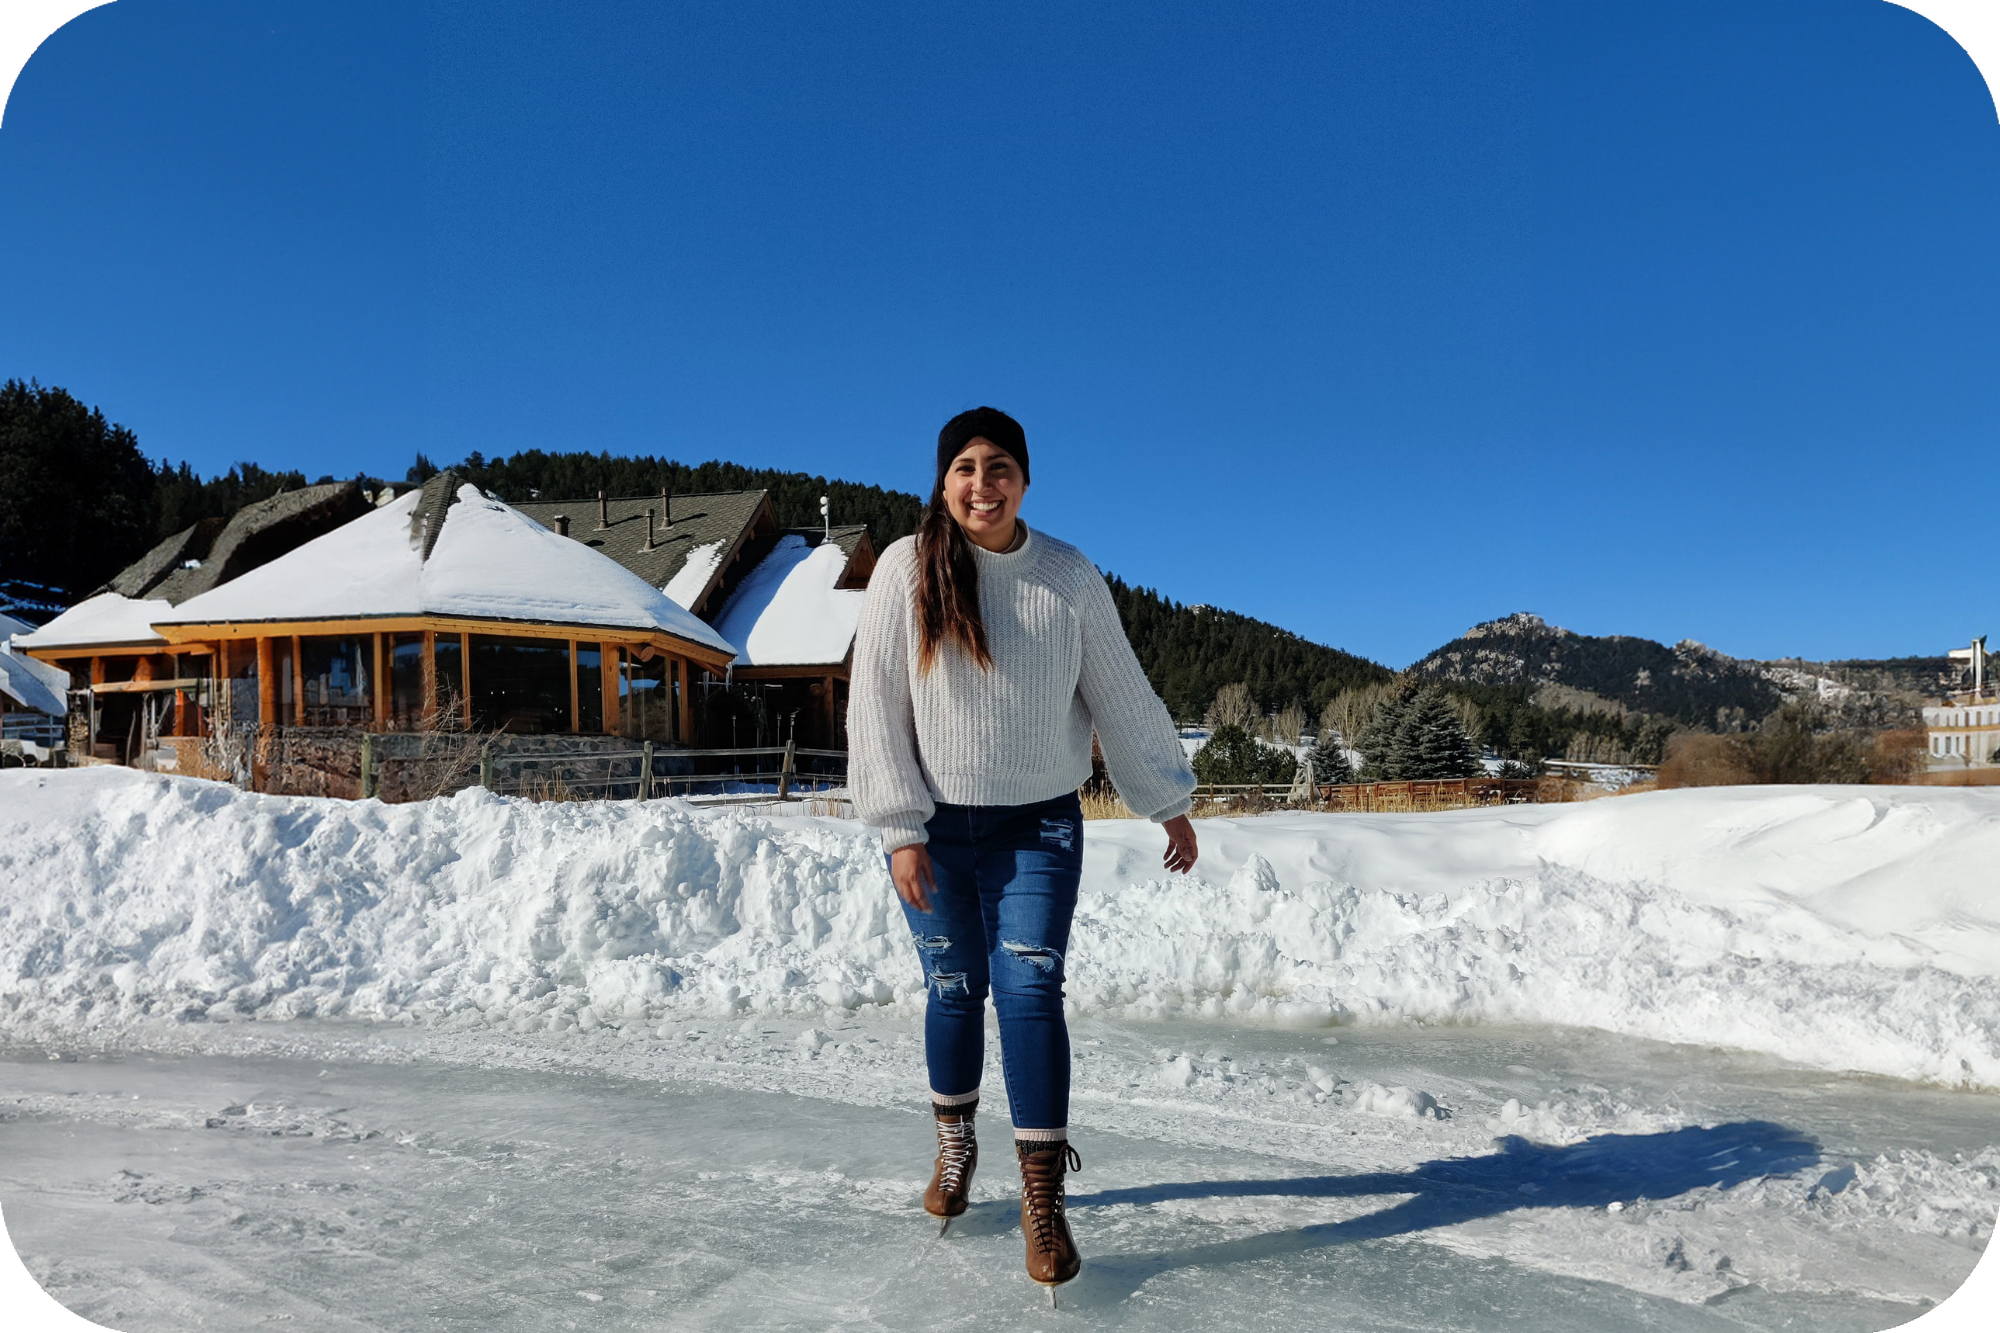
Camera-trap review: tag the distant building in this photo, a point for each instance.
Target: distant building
(1964, 730)
(788, 599)
(690, 621)
(32, 703)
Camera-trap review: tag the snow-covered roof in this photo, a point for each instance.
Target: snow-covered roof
(104, 621)
(9, 627)
(31, 684)
(446, 552)
(691, 580)
(787, 611)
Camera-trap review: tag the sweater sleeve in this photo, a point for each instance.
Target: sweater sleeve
(1141, 748)
(885, 777)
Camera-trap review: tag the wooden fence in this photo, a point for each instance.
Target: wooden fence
(1382, 797)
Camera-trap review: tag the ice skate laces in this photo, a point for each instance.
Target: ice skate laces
(1042, 1189)
(954, 1153)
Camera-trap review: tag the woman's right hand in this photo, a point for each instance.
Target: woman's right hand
(910, 868)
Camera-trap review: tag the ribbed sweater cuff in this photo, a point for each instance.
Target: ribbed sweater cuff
(1174, 811)
(903, 830)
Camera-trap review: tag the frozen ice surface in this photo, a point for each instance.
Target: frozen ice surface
(345, 1176)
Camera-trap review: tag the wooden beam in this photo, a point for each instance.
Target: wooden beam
(267, 684)
(381, 682)
(298, 681)
(429, 703)
(684, 731)
(832, 715)
(575, 695)
(465, 679)
(607, 677)
(715, 659)
(181, 719)
(96, 671)
(143, 670)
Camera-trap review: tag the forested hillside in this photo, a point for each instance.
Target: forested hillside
(536, 475)
(79, 502)
(1688, 683)
(1191, 652)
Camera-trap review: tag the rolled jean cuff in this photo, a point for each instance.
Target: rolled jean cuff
(1042, 1135)
(954, 1098)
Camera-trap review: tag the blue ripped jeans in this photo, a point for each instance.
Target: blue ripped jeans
(999, 920)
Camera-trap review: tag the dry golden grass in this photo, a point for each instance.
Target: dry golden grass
(1103, 805)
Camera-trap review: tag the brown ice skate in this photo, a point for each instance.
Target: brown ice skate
(1052, 1256)
(958, 1153)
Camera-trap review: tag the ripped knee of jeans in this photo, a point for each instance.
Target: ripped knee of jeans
(948, 983)
(1043, 959)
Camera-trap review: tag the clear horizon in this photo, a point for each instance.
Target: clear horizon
(1666, 320)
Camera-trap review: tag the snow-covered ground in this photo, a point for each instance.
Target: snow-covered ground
(1617, 1064)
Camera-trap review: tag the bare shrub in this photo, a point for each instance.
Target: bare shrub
(1349, 712)
(1695, 759)
(1286, 726)
(1898, 757)
(1233, 707)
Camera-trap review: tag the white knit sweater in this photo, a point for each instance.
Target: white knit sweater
(1020, 732)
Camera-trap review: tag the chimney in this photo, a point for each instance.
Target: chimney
(603, 512)
(562, 525)
(651, 541)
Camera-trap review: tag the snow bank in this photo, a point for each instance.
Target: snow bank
(1839, 927)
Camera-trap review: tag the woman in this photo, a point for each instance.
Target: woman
(986, 656)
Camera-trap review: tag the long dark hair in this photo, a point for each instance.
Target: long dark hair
(947, 575)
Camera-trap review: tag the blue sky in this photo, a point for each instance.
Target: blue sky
(1374, 320)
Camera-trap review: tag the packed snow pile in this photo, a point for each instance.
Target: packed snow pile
(1841, 927)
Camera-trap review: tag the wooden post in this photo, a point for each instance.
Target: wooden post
(96, 671)
(380, 680)
(486, 767)
(367, 765)
(267, 683)
(142, 670)
(785, 769)
(832, 716)
(575, 696)
(429, 703)
(180, 701)
(607, 677)
(645, 771)
(465, 679)
(298, 682)
(678, 668)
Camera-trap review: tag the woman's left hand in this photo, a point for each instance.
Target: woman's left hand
(1181, 851)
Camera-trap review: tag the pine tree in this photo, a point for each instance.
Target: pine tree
(1233, 756)
(1329, 759)
(1430, 739)
(1381, 758)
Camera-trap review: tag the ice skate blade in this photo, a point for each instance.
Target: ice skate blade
(946, 1227)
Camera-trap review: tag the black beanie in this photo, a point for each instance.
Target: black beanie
(992, 424)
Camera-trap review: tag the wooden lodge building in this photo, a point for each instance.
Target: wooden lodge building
(685, 621)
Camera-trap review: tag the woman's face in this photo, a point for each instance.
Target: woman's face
(983, 489)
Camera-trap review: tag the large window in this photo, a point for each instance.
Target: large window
(589, 688)
(647, 699)
(335, 674)
(518, 685)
